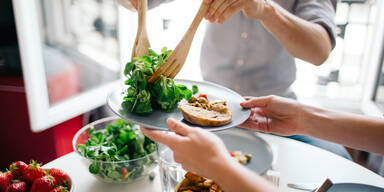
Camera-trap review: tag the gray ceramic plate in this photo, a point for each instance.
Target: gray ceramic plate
(157, 120)
(245, 141)
(354, 187)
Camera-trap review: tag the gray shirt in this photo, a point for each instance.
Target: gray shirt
(242, 55)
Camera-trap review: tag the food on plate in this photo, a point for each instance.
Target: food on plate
(195, 183)
(201, 111)
(32, 178)
(141, 97)
(242, 158)
(113, 152)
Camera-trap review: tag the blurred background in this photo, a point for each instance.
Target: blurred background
(77, 49)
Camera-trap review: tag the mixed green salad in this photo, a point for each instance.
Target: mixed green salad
(119, 141)
(141, 97)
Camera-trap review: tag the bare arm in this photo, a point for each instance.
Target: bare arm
(302, 39)
(288, 117)
(356, 131)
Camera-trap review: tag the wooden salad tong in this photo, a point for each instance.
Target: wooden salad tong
(141, 46)
(178, 56)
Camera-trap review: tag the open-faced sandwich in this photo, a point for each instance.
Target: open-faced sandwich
(195, 183)
(201, 111)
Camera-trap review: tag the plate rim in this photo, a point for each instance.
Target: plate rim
(154, 127)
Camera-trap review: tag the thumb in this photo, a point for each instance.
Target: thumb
(257, 102)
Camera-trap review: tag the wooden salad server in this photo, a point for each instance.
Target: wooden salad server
(141, 46)
(178, 56)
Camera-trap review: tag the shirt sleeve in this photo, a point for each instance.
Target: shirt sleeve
(318, 11)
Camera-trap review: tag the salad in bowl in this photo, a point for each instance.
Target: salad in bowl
(116, 150)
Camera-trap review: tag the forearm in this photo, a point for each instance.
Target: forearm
(356, 131)
(305, 40)
(232, 177)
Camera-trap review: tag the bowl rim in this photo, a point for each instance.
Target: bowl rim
(92, 124)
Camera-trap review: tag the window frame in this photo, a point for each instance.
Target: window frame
(42, 115)
(374, 60)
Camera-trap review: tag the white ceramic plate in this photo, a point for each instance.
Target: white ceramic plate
(157, 120)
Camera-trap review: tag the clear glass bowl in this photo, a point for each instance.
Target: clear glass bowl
(116, 171)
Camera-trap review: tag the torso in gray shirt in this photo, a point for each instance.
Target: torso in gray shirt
(242, 55)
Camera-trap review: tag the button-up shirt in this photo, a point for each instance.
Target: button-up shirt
(244, 56)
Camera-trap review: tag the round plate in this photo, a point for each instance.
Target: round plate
(354, 187)
(245, 141)
(157, 120)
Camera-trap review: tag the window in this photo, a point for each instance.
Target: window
(70, 51)
(80, 45)
(373, 100)
(379, 90)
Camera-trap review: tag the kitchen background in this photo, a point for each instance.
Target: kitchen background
(84, 44)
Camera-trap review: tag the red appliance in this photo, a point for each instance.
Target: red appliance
(17, 141)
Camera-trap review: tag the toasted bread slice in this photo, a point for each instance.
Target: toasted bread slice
(205, 117)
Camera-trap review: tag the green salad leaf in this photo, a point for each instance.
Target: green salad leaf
(119, 141)
(195, 89)
(141, 97)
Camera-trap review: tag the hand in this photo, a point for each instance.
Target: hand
(221, 10)
(129, 4)
(273, 114)
(197, 150)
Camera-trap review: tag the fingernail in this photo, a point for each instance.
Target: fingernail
(171, 121)
(207, 15)
(244, 104)
(212, 18)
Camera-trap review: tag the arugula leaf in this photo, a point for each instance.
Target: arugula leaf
(128, 68)
(195, 89)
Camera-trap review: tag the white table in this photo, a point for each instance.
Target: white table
(297, 162)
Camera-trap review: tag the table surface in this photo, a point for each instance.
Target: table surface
(297, 162)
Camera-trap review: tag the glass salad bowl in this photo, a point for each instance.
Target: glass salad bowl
(116, 151)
